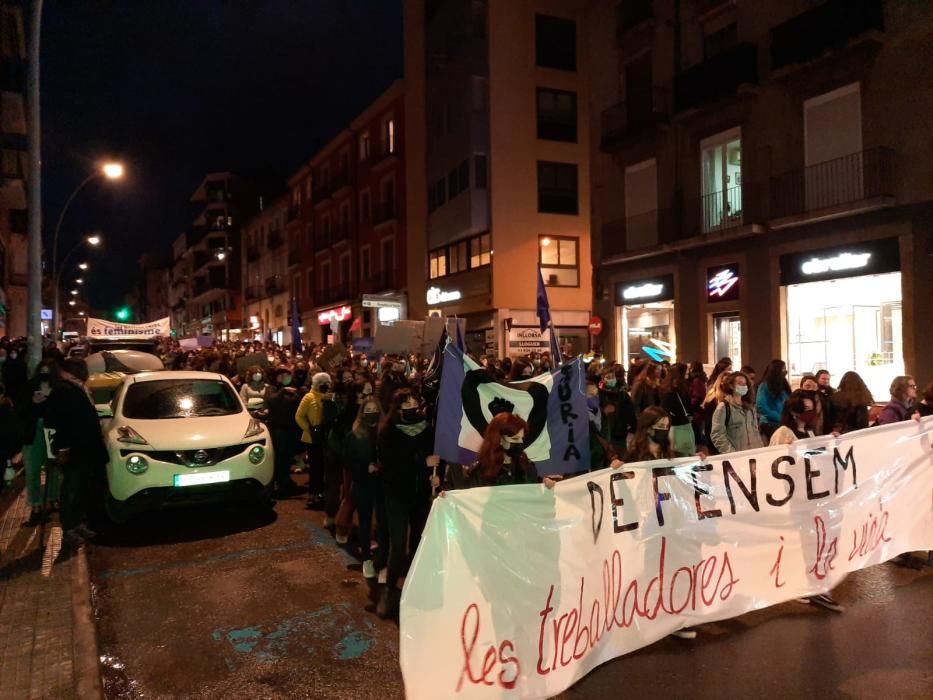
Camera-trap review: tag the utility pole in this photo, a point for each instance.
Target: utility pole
(34, 303)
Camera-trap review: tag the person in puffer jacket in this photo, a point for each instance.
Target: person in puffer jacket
(735, 421)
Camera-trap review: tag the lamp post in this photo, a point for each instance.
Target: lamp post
(109, 171)
(94, 241)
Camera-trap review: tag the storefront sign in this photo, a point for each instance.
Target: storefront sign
(596, 325)
(642, 291)
(388, 314)
(524, 340)
(517, 592)
(436, 295)
(869, 258)
(722, 283)
(373, 302)
(341, 313)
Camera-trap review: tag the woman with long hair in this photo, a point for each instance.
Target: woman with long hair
(772, 393)
(850, 404)
(724, 366)
(652, 438)
(902, 405)
(675, 399)
(799, 420)
(735, 421)
(406, 453)
(714, 397)
(501, 459)
(645, 388)
(253, 391)
(360, 460)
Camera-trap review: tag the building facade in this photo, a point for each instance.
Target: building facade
(347, 225)
(266, 292)
(211, 257)
(762, 185)
(14, 137)
(502, 90)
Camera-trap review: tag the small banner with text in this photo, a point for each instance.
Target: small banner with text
(100, 328)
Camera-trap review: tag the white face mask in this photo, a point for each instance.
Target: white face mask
(257, 378)
(741, 389)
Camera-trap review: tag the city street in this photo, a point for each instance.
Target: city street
(215, 602)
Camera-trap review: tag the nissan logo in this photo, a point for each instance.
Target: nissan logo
(200, 456)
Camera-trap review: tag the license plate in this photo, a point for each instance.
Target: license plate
(205, 478)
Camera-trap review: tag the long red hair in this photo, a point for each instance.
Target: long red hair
(491, 454)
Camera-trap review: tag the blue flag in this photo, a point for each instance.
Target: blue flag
(296, 328)
(544, 308)
(553, 405)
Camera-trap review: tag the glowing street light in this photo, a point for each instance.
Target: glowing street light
(80, 280)
(112, 171)
(72, 302)
(74, 292)
(94, 240)
(83, 266)
(81, 313)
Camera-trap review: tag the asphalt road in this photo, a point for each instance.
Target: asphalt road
(224, 602)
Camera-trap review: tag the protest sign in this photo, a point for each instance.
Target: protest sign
(332, 357)
(397, 339)
(553, 405)
(518, 591)
(100, 328)
(259, 359)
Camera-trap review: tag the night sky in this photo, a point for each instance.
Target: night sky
(180, 88)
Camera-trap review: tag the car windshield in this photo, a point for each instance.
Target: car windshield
(179, 398)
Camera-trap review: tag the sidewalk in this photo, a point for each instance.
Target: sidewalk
(47, 647)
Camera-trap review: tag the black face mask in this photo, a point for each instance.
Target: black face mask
(410, 415)
(661, 437)
(299, 377)
(324, 388)
(515, 450)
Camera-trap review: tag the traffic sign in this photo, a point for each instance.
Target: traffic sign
(596, 325)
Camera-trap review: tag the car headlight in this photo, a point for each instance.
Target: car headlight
(257, 453)
(254, 428)
(126, 434)
(136, 464)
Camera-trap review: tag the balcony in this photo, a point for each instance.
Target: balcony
(341, 233)
(381, 281)
(721, 210)
(338, 292)
(847, 185)
(294, 258)
(275, 240)
(274, 285)
(632, 13)
(323, 241)
(382, 152)
(827, 27)
(340, 181)
(321, 192)
(717, 78)
(629, 120)
(252, 254)
(384, 212)
(252, 293)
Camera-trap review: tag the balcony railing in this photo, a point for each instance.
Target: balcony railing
(631, 13)
(340, 181)
(828, 26)
(323, 241)
(294, 258)
(384, 212)
(631, 118)
(252, 293)
(274, 285)
(382, 151)
(849, 179)
(379, 282)
(717, 77)
(275, 240)
(721, 210)
(341, 232)
(336, 293)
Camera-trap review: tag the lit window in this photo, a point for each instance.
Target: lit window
(480, 251)
(558, 258)
(390, 136)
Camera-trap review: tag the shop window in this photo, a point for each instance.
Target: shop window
(557, 188)
(721, 162)
(557, 115)
(555, 42)
(480, 253)
(559, 258)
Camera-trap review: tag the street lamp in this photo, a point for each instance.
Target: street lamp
(74, 292)
(93, 240)
(72, 302)
(83, 266)
(109, 171)
(79, 280)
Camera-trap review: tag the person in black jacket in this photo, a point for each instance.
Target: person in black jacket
(78, 444)
(10, 438)
(281, 401)
(359, 459)
(406, 454)
(31, 408)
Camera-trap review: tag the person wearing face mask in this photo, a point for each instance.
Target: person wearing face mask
(652, 438)
(393, 378)
(300, 377)
(601, 450)
(31, 413)
(521, 370)
(282, 400)
(735, 420)
(314, 416)
(619, 422)
(253, 392)
(797, 420)
(14, 373)
(824, 423)
(406, 455)
(359, 458)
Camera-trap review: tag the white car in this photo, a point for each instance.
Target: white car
(178, 438)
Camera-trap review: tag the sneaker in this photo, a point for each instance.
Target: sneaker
(825, 600)
(685, 633)
(341, 539)
(369, 571)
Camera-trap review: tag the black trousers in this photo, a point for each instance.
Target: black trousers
(285, 445)
(370, 501)
(406, 521)
(76, 485)
(315, 469)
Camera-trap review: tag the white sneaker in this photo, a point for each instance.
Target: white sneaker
(685, 633)
(369, 571)
(341, 539)
(328, 521)
(383, 575)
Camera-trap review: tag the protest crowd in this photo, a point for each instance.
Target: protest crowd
(363, 429)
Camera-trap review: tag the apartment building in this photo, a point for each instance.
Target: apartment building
(14, 136)
(501, 87)
(761, 183)
(346, 216)
(266, 298)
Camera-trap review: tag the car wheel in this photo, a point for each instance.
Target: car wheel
(115, 512)
(266, 500)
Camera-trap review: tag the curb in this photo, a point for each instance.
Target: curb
(84, 653)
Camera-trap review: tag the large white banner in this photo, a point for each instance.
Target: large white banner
(99, 328)
(518, 592)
